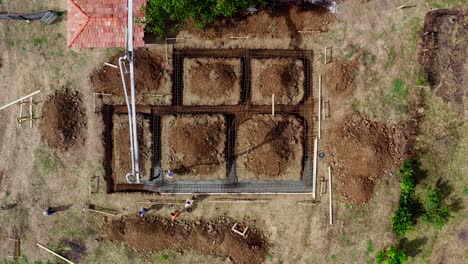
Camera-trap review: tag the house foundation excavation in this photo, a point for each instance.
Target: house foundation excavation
(208, 145)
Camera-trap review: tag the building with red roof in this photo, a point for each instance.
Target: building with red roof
(101, 23)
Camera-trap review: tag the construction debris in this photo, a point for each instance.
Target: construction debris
(238, 232)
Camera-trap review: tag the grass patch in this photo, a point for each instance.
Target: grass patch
(391, 54)
(47, 161)
(399, 90)
(369, 58)
(39, 41)
(369, 248)
(446, 3)
(24, 260)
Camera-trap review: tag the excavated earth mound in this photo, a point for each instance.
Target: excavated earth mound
(214, 237)
(64, 119)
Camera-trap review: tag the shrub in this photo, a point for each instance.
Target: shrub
(435, 211)
(403, 218)
(165, 16)
(391, 256)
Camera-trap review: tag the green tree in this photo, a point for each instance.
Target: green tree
(403, 218)
(165, 16)
(391, 256)
(435, 211)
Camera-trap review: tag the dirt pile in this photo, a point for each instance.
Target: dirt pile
(282, 77)
(443, 56)
(213, 238)
(212, 81)
(64, 119)
(362, 152)
(194, 146)
(339, 78)
(121, 146)
(279, 21)
(269, 148)
(151, 77)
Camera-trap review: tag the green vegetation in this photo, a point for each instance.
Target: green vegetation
(391, 54)
(164, 16)
(446, 3)
(48, 162)
(435, 211)
(23, 260)
(370, 248)
(369, 58)
(391, 256)
(38, 41)
(403, 218)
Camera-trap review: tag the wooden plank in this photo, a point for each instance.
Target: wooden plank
(55, 254)
(20, 99)
(314, 172)
(319, 105)
(330, 195)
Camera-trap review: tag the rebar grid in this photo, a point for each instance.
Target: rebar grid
(232, 115)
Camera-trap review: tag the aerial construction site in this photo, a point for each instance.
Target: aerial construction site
(151, 131)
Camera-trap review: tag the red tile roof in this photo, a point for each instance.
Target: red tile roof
(101, 23)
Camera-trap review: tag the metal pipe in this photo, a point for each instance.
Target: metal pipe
(129, 56)
(121, 59)
(134, 123)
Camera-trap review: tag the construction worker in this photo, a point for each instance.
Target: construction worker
(143, 212)
(170, 175)
(175, 215)
(49, 211)
(189, 203)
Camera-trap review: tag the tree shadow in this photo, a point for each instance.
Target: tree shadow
(61, 208)
(155, 207)
(419, 173)
(8, 206)
(446, 190)
(412, 248)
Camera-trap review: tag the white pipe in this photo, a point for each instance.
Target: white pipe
(319, 104)
(22, 98)
(134, 123)
(55, 254)
(330, 194)
(129, 56)
(314, 173)
(121, 59)
(110, 65)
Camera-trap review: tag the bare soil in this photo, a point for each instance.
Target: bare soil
(282, 77)
(193, 146)
(152, 80)
(122, 161)
(212, 238)
(363, 151)
(212, 81)
(269, 148)
(63, 119)
(443, 56)
(339, 79)
(280, 21)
